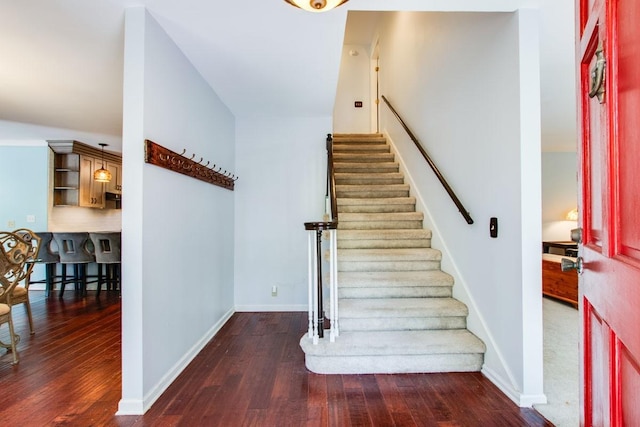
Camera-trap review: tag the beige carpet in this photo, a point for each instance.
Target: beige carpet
(561, 326)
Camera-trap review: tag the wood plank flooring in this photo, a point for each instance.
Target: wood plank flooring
(251, 374)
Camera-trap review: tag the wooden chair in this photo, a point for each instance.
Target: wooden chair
(20, 294)
(17, 255)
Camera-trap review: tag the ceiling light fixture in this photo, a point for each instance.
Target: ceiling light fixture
(102, 175)
(316, 5)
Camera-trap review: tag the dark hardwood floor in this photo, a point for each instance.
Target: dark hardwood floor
(251, 374)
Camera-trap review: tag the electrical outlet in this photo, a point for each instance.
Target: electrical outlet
(11, 224)
(31, 218)
(274, 291)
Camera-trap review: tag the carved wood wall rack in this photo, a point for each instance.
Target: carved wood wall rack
(158, 155)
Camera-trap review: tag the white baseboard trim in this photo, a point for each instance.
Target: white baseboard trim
(130, 407)
(520, 399)
(139, 407)
(270, 308)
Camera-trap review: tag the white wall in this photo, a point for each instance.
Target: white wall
(281, 163)
(177, 232)
(456, 80)
(559, 194)
(353, 85)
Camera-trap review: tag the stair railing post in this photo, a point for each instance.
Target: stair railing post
(310, 294)
(320, 310)
(333, 285)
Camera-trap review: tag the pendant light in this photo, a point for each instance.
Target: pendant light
(102, 175)
(316, 5)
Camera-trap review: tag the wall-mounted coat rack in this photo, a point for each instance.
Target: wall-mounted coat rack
(158, 155)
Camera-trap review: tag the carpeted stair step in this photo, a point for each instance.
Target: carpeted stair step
(371, 167)
(412, 259)
(384, 221)
(374, 191)
(399, 314)
(376, 205)
(381, 239)
(361, 148)
(358, 138)
(369, 178)
(395, 284)
(363, 157)
(395, 352)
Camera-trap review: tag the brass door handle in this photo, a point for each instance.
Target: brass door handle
(597, 75)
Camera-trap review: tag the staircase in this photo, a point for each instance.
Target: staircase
(397, 314)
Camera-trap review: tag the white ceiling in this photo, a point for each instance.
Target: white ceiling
(61, 61)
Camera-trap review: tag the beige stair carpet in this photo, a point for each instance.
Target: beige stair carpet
(397, 313)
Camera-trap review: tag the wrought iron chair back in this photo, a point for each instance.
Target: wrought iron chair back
(18, 251)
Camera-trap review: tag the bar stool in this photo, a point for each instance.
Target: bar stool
(107, 253)
(72, 249)
(49, 258)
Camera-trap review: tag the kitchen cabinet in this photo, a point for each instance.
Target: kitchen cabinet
(66, 179)
(91, 193)
(115, 185)
(74, 165)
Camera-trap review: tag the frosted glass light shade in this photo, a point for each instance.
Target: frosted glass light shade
(316, 5)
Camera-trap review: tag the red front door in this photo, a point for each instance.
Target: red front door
(609, 175)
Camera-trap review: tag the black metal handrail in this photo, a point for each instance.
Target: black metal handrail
(433, 166)
(331, 180)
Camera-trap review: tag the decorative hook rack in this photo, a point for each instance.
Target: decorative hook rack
(158, 155)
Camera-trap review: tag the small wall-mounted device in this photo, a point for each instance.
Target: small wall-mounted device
(358, 104)
(493, 227)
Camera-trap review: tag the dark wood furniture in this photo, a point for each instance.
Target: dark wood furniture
(567, 248)
(558, 284)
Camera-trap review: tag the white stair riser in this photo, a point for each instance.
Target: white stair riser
(396, 292)
(377, 193)
(401, 323)
(388, 266)
(379, 180)
(360, 148)
(366, 167)
(384, 244)
(362, 158)
(379, 225)
(376, 208)
(397, 364)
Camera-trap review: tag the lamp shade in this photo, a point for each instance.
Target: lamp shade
(102, 175)
(572, 215)
(316, 5)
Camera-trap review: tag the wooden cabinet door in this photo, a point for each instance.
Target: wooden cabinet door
(609, 153)
(115, 185)
(91, 192)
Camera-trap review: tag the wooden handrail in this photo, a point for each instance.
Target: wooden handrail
(331, 180)
(433, 166)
